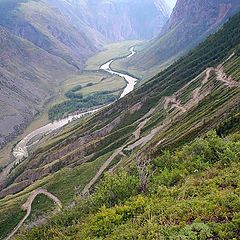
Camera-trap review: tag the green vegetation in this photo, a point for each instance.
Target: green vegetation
(232, 69)
(65, 184)
(41, 205)
(230, 125)
(189, 193)
(210, 53)
(10, 216)
(192, 193)
(79, 103)
(72, 94)
(85, 91)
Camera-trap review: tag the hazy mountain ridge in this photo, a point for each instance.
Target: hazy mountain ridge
(121, 20)
(27, 72)
(190, 23)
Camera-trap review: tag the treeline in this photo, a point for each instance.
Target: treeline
(209, 53)
(77, 102)
(73, 93)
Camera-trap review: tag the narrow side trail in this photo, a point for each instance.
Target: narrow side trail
(27, 206)
(85, 191)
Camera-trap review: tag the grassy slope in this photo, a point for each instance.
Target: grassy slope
(192, 194)
(100, 81)
(137, 70)
(145, 74)
(111, 83)
(13, 205)
(64, 184)
(180, 38)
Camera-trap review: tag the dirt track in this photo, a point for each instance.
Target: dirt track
(27, 206)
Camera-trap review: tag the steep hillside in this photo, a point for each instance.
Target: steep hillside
(49, 28)
(27, 73)
(123, 19)
(190, 22)
(40, 48)
(136, 19)
(173, 108)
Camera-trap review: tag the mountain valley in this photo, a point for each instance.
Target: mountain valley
(65, 34)
(143, 135)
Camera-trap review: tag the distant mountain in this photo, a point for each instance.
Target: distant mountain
(190, 22)
(123, 19)
(40, 48)
(171, 3)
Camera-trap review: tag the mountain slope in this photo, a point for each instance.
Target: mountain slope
(191, 193)
(27, 73)
(179, 104)
(40, 48)
(190, 23)
(49, 28)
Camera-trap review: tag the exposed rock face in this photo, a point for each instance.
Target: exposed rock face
(191, 21)
(120, 20)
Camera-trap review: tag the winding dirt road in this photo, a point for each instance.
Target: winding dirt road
(85, 191)
(27, 206)
(172, 102)
(20, 152)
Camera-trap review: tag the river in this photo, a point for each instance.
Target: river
(131, 81)
(20, 151)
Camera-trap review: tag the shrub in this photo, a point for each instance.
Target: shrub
(114, 189)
